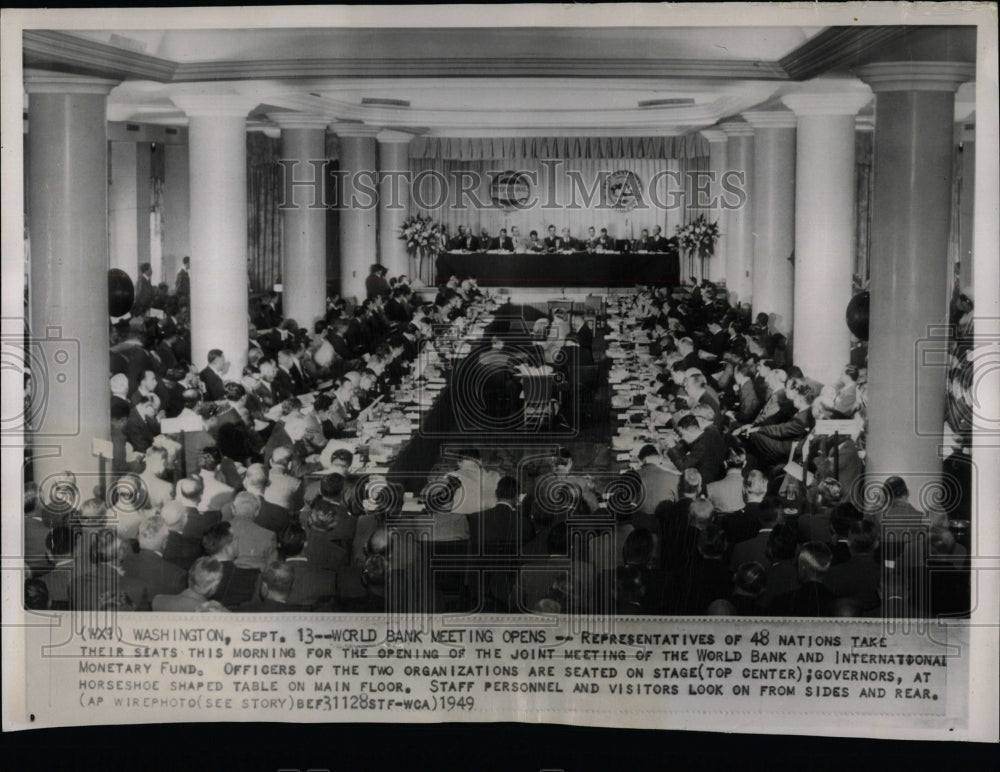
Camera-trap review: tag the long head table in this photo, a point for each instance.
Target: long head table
(561, 269)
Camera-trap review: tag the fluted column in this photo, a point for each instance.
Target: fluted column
(303, 215)
(393, 199)
(358, 199)
(68, 293)
(718, 165)
(739, 241)
(773, 215)
(825, 220)
(911, 208)
(218, 227)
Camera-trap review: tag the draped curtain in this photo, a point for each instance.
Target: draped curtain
(863, 182)
(263, 215)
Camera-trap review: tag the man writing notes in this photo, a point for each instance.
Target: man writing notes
(502, 242)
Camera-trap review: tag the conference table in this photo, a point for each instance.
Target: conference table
(561, 269)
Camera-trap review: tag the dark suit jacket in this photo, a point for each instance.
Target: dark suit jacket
(468, 242)
(502, 528)
(238, 585)
(310, 584)
(199, 522)
(748, 403)
(86, 590)
(143, 296)
(141, 432)
(272, 517)
(605, 242)
(707, 454)
(181, 551)
(283, 386)
(160, 576)
(810, 599)
(751, 551)
(214, 387)
(505, 243)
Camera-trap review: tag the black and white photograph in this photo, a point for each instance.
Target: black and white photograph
(634, 362)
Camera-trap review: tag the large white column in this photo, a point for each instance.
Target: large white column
(911, 212)
(217, 153)
(773, 215)
(68, 225)
(718, 164)
(825, 220)
(739, 240)
(122, 229)
(303, 248)
(394, 199)
(358, 199)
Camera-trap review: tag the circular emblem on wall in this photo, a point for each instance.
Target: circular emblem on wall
(623, 190)
(510, 190)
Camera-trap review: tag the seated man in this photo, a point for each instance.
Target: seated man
(276, 583)
(256, 545)
(236, 585)
(204, 578)
(503, 242)
(771, 445)
(703, 448)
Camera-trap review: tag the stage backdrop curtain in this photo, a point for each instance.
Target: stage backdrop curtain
(561, 195)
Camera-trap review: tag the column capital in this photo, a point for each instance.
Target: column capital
(714, 135)
(391, 136)
(829, 103)
(354, 130)
(293, 120)
(737, 128)
(916, 76)
(771, 119)
(864, 123)
(222, 105)
(42, 82)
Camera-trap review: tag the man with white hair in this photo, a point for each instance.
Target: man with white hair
(284, 489)
(158, 490)
(256, 545)
(204, 578)
(148, 564)
(216, 493)
(178, 549)
(119, 390)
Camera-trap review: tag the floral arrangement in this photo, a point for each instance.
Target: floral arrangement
(698, 237)
(422, 235)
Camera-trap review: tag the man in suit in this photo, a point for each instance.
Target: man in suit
(464, 240)
(237, 585)
(211, 376)
(288, 378)
(583, 335)
(754, 550)
(697, 393)
(771, 445)
(178, 549)
(103, 583)
(270, 516)
(552, 241)
(858, 577)
(500, 529)
(284, 490)
(276, 583)
(727, 494)
(142, 428)
(643, 243)
(311, 584)
(604, 241)
(148, 565)
(277, 383)
(567, 241)
(59, 552)
(189, 492)
(143, 291)
(256, 545)
(660, 242)
(204, 578)
(747, 403)
(705, 449)
(375, 283)
(534, 243)
(182, 286)
(590, 243)
(812, 598)
(743, 524)
(502, 242)
(658, 484)
(157, 489)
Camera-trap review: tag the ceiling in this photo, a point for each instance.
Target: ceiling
(465, 82)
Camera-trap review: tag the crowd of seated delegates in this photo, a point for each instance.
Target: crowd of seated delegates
(733, 525)
(247, 469)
